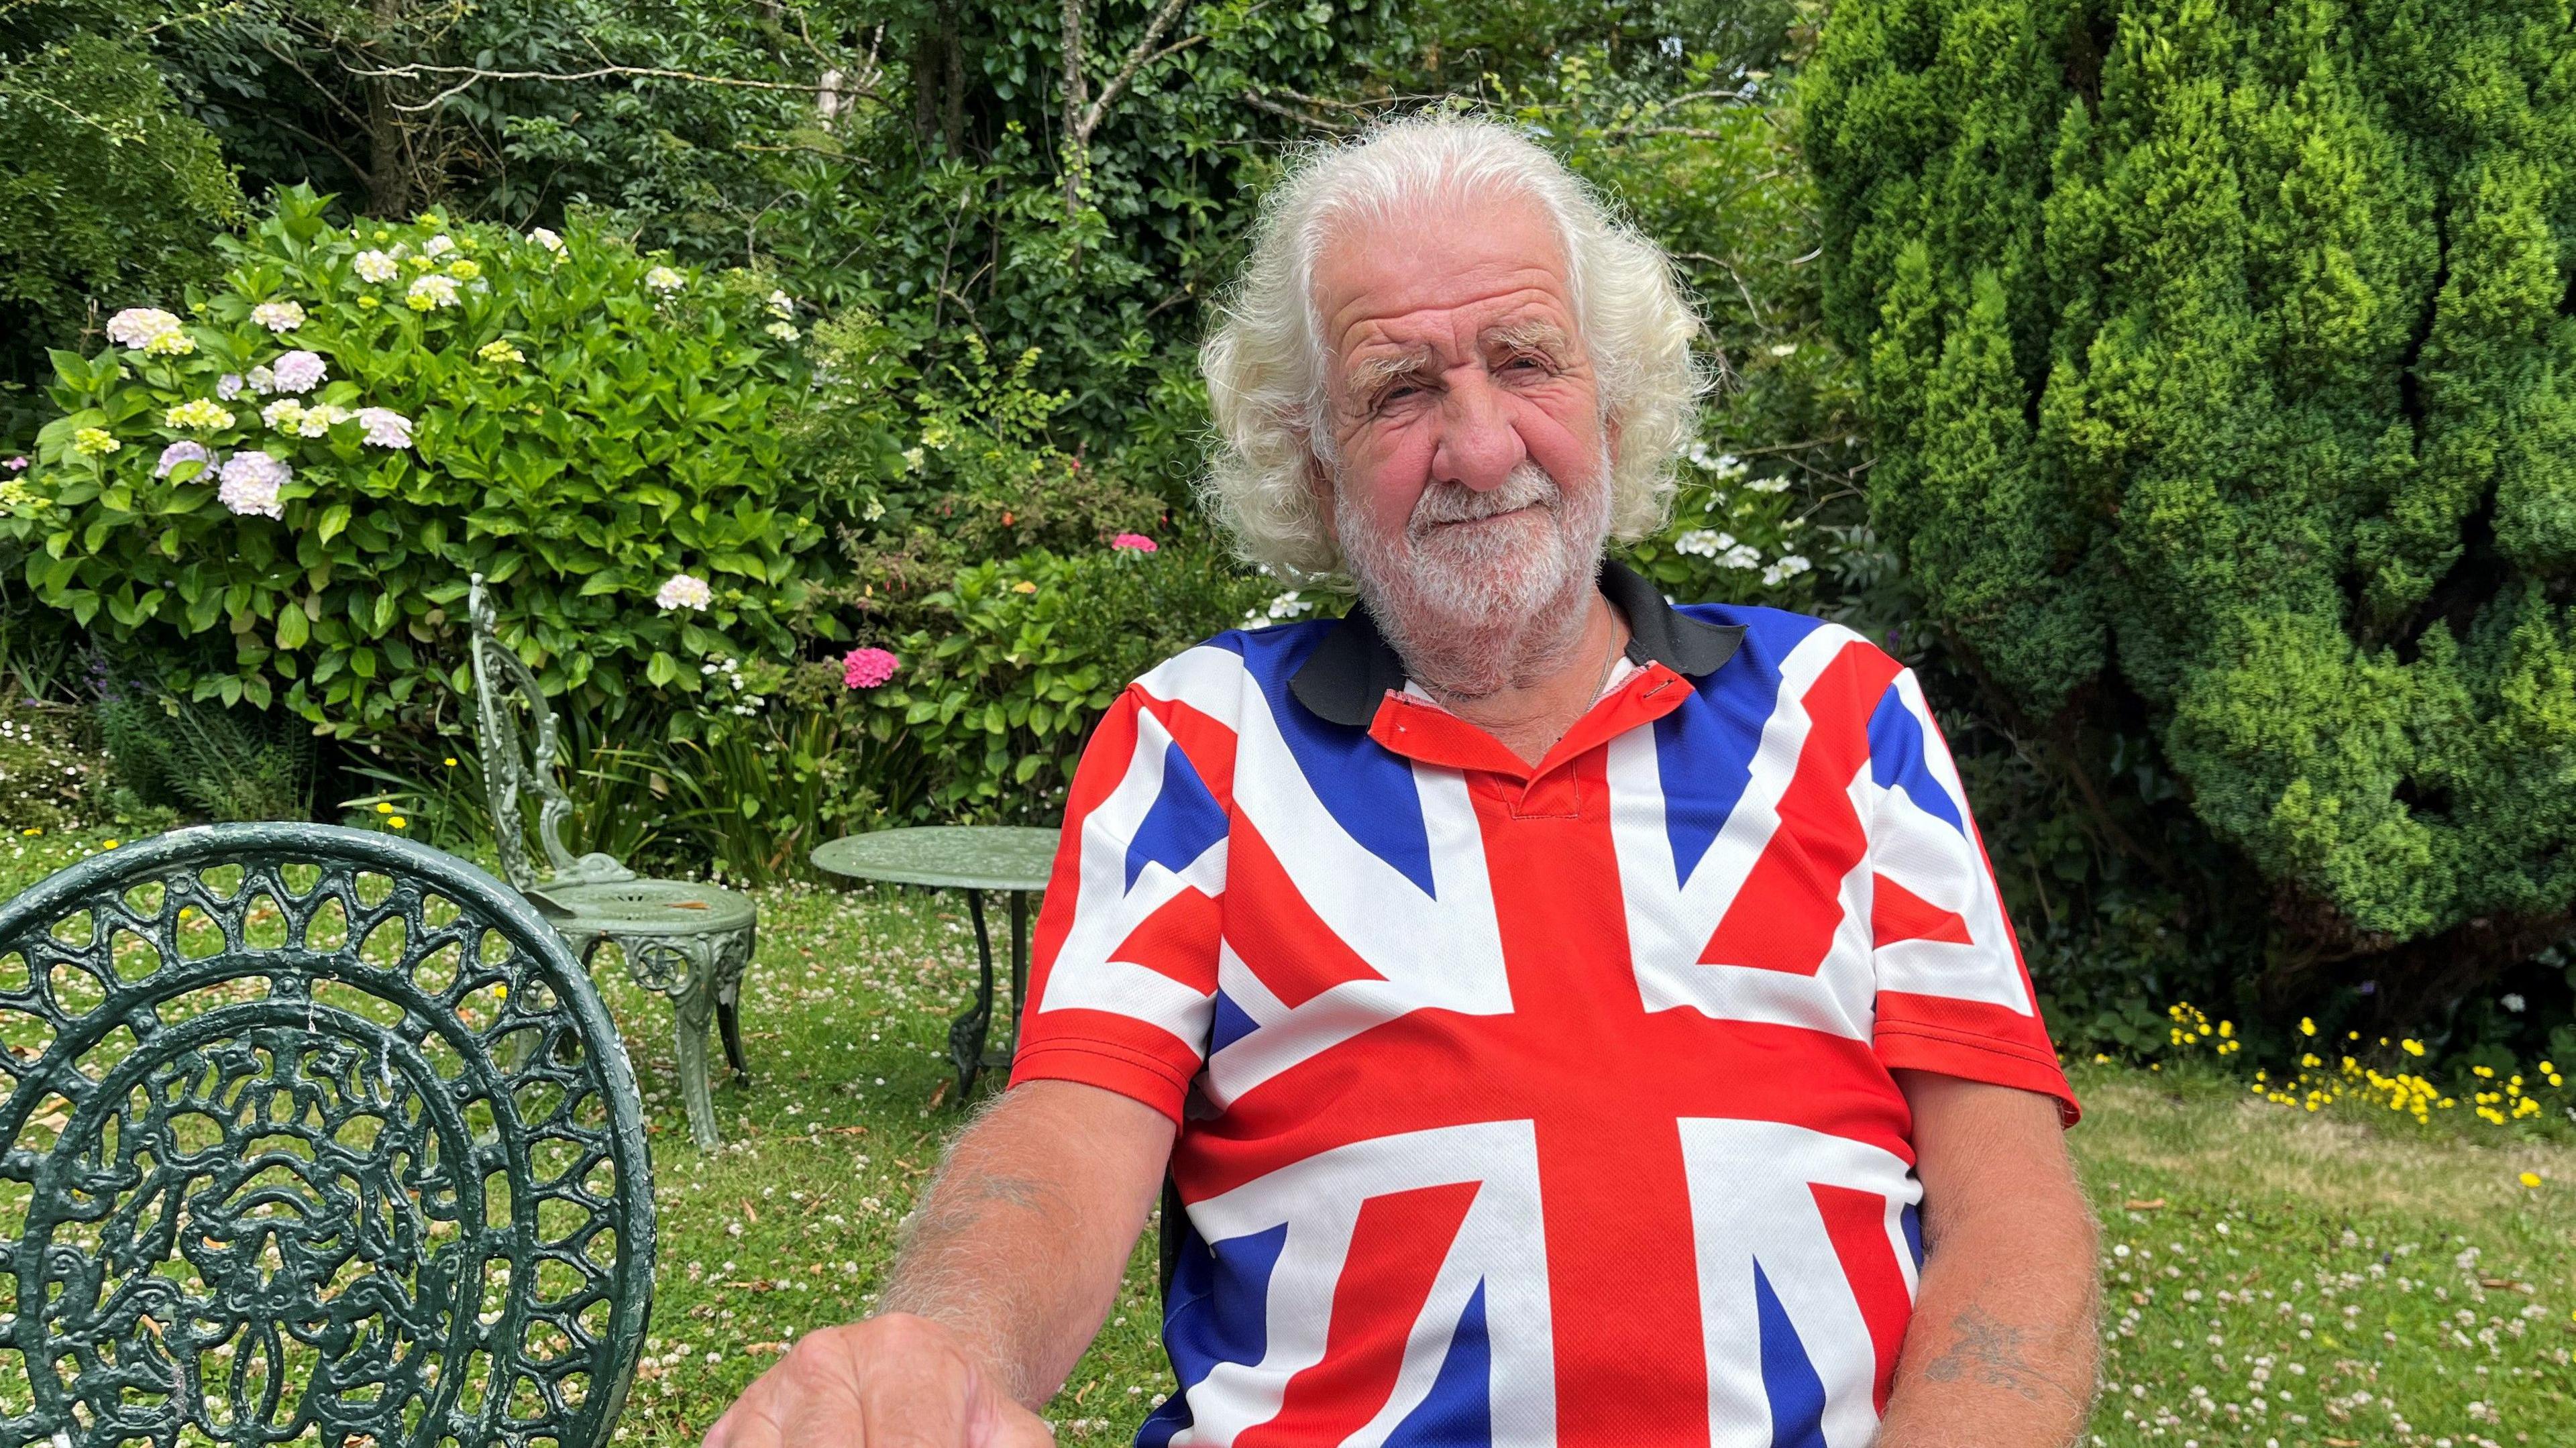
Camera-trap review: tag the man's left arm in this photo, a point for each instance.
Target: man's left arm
(2001, 1349)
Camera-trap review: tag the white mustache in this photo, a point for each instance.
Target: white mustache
(1457, 503)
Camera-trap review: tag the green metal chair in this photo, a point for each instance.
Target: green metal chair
(311, 1135)
(689, 942)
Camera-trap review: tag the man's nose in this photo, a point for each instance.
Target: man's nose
(1479, 446)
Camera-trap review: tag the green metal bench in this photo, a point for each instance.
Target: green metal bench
(311, 1134)
(687, 941)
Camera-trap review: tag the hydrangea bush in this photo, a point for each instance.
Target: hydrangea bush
(299, 474)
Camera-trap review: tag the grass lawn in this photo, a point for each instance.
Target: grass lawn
(2272, 1275)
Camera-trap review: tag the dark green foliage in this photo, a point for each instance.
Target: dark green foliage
(2219, 357)
(109, 190)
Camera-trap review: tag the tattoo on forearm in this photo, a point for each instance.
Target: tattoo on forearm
(1990, 1352)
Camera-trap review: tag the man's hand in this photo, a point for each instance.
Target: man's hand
(896, 1381)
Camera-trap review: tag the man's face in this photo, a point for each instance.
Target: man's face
(1471, 482)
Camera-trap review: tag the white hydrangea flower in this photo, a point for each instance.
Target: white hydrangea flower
(377, 266)
(546, 239)
(251, 481)
(320, 419)
(228, 386)
(1703, 542)
(1742, 555)
(781, 304)
(198, 414)
(385, 427)
(279, 316)
(439, 245)
(136, 327)
(1789, 566)
(431, 291)
(783, 331)
(261, 382)
(298, 372)
(685, 591)
(283, 415)
(663, 279)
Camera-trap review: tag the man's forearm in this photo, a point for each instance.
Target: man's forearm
(2001, 1351)
(1016, 1245)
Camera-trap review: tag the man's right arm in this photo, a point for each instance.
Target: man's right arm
(1008, 1267)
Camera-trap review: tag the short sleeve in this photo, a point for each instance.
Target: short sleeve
(1124, 957)
(1953, 994)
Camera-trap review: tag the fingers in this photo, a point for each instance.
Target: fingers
(751, 1421)
(890, 1382)
(1009, 1425)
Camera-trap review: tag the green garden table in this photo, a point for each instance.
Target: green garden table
(972, 858)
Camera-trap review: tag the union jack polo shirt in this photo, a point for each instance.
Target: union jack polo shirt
(1531, 1104)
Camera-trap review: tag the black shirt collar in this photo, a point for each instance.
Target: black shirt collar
(1354, 667)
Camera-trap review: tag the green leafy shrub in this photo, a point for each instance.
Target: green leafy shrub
(282, 495)
(2220, 360)
(996, 695)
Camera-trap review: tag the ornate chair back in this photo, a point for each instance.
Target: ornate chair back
(514, 730)
(311, 1135)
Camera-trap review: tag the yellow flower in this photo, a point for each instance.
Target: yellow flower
(383, 808)
(2307, 1027)
(2530, 1178)
(2227, 1028)
(2411, 1046)
(31, 832)
(369, 302)
(463, 270)
(1024, 586)
(451, 761)
(107, 844)
(398, 822)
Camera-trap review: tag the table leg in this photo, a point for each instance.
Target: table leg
(967, 1033)
(1019, 965)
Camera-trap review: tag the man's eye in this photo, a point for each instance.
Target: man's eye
(1397, 393)
(1525, 361)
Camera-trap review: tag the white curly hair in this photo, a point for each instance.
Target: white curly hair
(1264, 361)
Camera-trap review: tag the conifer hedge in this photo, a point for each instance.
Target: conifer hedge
(2222, 358)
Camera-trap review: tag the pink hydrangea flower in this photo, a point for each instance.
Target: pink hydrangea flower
(1133, 542)
(181, 452)
(385, 427)
(867, 668)
(298, 372)
(17, 465)
(251, 481)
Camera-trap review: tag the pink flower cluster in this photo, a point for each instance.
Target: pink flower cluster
(867, 668)
(1133, 542)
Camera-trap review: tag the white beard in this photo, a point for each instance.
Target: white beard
(1469, 606)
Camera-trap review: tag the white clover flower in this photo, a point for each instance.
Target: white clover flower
(685, 591)
(430, 291)
(320, 419)
(546, 239)
(181, 452)
(781, 304)
(283, 415)
(1742, 555)
(377, 266)
(1789, 566)
(439, 245)
(279, 316)
(663, 279)
(783, 331)
(1776, 483)
(228, 386)
(298, 372)
(385, 427)
(251, 481)
(197, 415)
(136, 326)
(260, 382)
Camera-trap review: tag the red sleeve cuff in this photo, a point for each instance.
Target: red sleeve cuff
(1911, 1047)
(1110, 1067)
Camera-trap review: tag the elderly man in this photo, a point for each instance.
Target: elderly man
(1550, 1007)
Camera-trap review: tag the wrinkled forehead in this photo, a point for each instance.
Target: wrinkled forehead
(1496, 261)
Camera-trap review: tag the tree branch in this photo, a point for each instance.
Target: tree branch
(1137, 55)
(475, 75)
